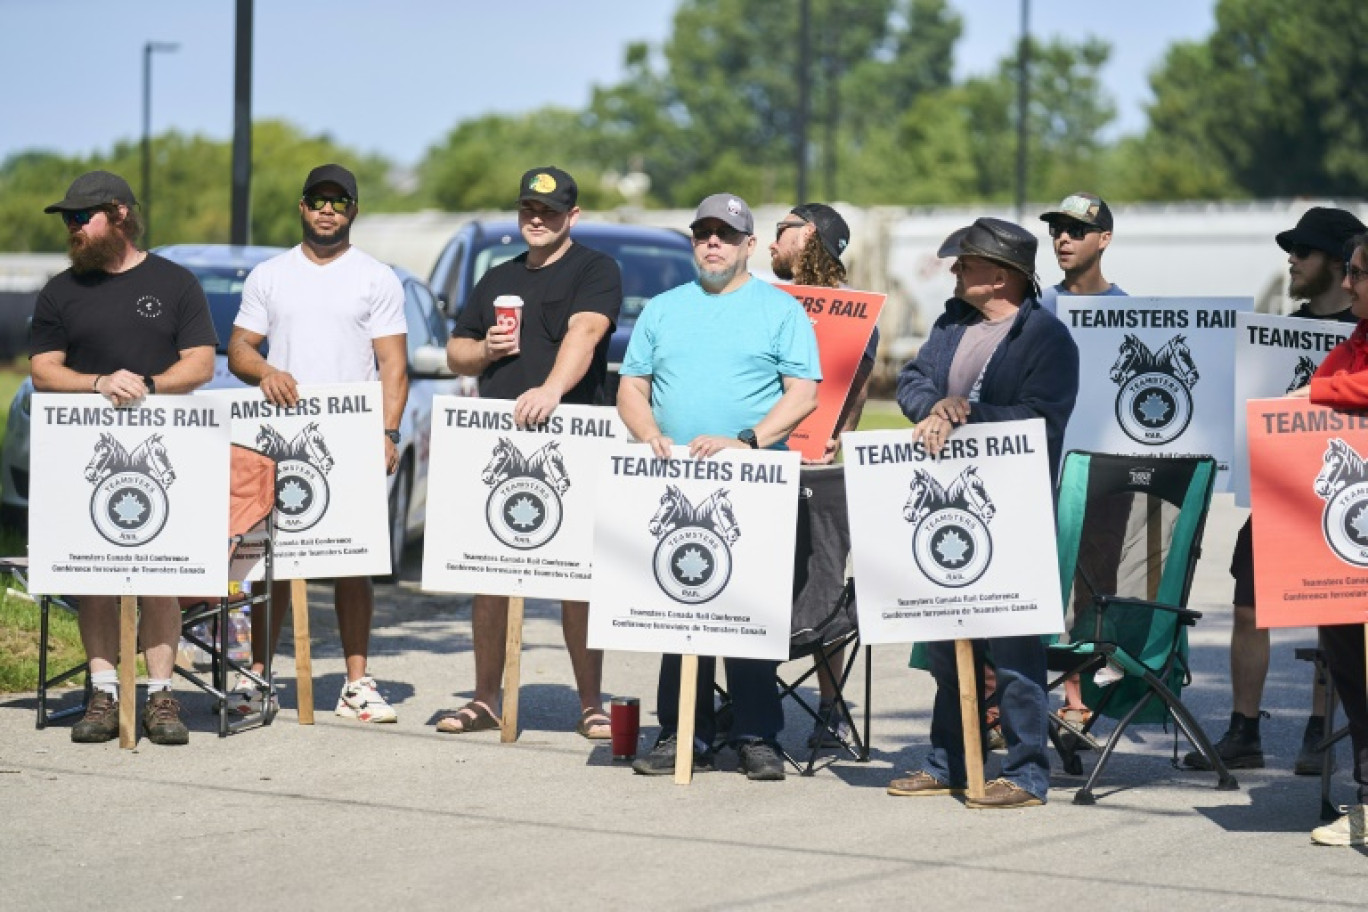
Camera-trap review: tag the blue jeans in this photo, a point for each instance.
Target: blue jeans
(758, 713)
(1020, 665)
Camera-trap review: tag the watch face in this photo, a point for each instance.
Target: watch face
(393, 436)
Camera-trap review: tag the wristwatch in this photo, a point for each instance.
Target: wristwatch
(748, 438)
(150, 384)
(392, 435)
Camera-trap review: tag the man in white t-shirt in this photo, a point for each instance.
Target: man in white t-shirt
(332, 314)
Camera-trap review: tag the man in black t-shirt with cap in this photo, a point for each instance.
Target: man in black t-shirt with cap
(570, 300)
(123, 323)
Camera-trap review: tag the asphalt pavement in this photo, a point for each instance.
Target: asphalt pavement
(343, 815)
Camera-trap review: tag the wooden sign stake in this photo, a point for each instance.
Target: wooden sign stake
(688, 705)
(128, 671)
(969, 717)
(299, 601)
(508, 725)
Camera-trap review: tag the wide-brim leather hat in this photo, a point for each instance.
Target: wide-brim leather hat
(997, 240)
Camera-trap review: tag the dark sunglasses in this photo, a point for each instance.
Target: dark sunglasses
(340, 204)
(80, 217)
(781, 227)
(1301, 251)
(1076, 230)
(725, 233)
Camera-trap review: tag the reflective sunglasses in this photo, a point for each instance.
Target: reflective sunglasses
(80, 218)
(725, 233)
(1076, 230)
(340, 204)
(781, 227)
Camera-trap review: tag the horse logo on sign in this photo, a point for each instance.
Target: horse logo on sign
(693, 554)
(950, 539)
(1301, 373)
(524, 506)
(302, 467)
(1343, 484)
(1154, 404)
(129, 506)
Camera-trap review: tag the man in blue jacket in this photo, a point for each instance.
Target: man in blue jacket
(994, 355)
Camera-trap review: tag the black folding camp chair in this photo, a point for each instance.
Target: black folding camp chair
(1130, 532)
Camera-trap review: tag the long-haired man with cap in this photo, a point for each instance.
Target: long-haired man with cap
(726, 361)
(331, 313)
(123, 323)
(571, 297)
(1316, 252)
(807, 249)
(994, 355)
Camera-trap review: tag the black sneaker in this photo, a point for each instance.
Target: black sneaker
(761, 761)
(1310, 761)
(661, 760)
(100, 722)
(161, 719)
(1239, 748)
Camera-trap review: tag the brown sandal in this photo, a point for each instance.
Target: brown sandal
(473, 717)
(594, 724)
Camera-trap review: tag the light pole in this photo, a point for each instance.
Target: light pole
(1023, 105)
(148, 50)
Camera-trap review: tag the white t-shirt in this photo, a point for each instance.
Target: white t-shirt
(320, 320)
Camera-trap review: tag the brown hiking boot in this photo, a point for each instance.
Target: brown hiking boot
(161, 719)
(1003, 793)
(100, 722)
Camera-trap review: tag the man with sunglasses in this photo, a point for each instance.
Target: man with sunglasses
(331, 313)
(1316, 250)
(1081, 231)
(571, 296)
(726, 361)
(124, 323)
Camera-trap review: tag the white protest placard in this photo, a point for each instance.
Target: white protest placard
(1156, 376)
(959, 547)
(128, 501)
(695, 555)
(1274, 355)
(332, 515)
(510, 511)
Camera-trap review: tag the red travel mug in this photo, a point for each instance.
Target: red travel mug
(508, 317)
(625, 716)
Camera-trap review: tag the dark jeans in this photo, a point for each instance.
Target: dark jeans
(754, 695)
(1020, 665)
(1343, 649)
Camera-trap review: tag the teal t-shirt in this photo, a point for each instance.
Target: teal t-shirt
(717, 362)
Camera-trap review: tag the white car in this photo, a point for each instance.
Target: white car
(222, 270)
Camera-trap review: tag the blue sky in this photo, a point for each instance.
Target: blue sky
(395, 76)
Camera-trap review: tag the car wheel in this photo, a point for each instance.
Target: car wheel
(398, 519)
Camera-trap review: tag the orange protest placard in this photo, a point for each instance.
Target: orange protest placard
(1309, 494)
(843, 320)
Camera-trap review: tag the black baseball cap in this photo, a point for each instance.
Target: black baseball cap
(1088, 208)
(1322, 228)
(831, 228)
(331, 174)
(551, 187)
(94, 188)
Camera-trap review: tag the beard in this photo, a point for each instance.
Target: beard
(1312, 285)
(338, 237)
(782, 266)
(719, 278)
(95, 254)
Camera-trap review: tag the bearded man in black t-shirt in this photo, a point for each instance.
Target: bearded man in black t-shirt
(123, 323)
(570, 301)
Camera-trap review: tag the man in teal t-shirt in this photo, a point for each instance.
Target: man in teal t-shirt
(724, 361)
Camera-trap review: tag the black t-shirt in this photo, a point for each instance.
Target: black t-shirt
(139, 320)
(581, 281)
(1343, 316)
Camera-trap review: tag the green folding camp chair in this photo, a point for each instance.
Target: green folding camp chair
(1130, 532)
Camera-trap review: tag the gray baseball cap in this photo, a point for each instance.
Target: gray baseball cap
(726, 207)
(94, 188)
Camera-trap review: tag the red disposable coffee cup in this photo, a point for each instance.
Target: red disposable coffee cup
(625, 716)
(508, 317)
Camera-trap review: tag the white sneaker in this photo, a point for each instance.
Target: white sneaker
(360, 700)
(246, 698)
(1347, 831)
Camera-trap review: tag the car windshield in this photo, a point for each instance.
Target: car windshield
(648, 268)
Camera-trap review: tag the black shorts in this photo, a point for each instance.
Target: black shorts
(1242, 564)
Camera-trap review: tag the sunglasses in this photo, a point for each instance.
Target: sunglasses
(781, 227)
(80, 218)
(1301, 251)
(1076, 230)
(725, 233)
(340, 204)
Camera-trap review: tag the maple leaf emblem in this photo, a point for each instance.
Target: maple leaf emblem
(1360, 524)
(293, 496)
(952, 548)
(1153, 409)
(692, 565)
(129, 508)
(524, 513)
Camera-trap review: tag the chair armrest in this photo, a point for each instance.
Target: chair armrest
(1186, 615)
